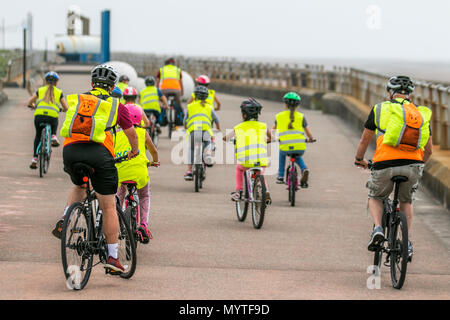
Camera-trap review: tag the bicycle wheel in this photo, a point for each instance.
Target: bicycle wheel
(242, 205)
(398, 243)
(197, 178)
(48, 152)
(378, 254)
(127, 247)
(76, 255)
(41, 154)
(170, 118)
(130, 219)
(292, 187)
(259, 204)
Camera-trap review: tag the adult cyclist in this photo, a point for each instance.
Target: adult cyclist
(150, 97)
(88, 130)
(404, 144)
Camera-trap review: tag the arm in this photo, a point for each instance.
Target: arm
(164, 100)
(151, 147)
(366, 138)
(215, 119)
(133, 139)
(428, 150)
(218, 104)
(269, 135)
(309, 133)
(64, 104)
(190, 100)
(32, 100)
(229, 136)
(145, 118)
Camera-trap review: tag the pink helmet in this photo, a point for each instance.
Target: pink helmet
(203, 80)
(130, 92)
(135, 113)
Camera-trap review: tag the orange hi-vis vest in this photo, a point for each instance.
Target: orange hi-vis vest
(170, 77)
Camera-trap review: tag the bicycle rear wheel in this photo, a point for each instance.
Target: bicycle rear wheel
(129, 218)
(77, 258)
(41, 154)
(292, 187)
(259, 204)
(48, 152)
(197, 178)
(127, 247)
(242, 205)
(398, 243)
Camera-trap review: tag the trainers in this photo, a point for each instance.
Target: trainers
(55, 142)
(268, 199)
(145, 234)
(304, 180)
(376, 239)
(58, 228)
(280, 180)
(236, 196)
(33, 164)
(188, 176)
(410, 251)
(113, 266)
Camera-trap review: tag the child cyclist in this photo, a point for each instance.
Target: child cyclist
(130, 96)
(291, 126)
(251, 137)
(136, 169)
(203, 80)
(198, 120)
(49, 101)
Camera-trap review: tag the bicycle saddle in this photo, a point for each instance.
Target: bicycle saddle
(129, 182)
(293, 155)
(83, 169)
(399, 179)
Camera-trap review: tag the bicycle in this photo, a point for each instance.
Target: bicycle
(82, 237)
(199, 167)
(395, 226)
(44, 148)
(152, 131)
(171, 114)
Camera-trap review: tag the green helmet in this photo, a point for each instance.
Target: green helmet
(292, 99)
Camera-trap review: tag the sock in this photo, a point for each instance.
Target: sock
(112, 250)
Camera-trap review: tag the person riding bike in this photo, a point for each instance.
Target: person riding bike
(50, 100)
(123, 84)
(169, 80)
(404, 144)
(136, 169)
(204, 80)
(88, 129)
(292, 126)
(199, 118)
(130, 95)
(150, 97)
(251, 138)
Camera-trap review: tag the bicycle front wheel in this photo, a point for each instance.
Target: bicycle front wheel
(76, 255)
(292, 187)
(127, 246)
(259, 201)
(398, 243)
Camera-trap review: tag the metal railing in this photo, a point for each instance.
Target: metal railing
(367, 87)
(34, 60)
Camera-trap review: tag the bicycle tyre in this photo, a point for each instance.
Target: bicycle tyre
(41, 154)
(127, 247)
(399, 249)
(128, 214)
(81, 248)
(259, 194)
(242, 212)
(378, 255)
(48, 152)
(292, 187)
(197, 178)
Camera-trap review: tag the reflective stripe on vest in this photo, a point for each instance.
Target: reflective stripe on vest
(170, 77)
(251, 146)
(200, 117)
(45, 108)
(291, 139)
(150, 99)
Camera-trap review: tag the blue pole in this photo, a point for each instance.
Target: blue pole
(105, 37)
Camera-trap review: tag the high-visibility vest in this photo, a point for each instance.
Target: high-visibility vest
(90, 119)
(134, 169)
(150, 99)
(291, 139)
(200, 117)
(170, 77)
(390, 131)
(45, 108)
(210, 98)
(122, 86)
(251, 145)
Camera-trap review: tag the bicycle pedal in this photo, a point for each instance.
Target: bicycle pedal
(112, 272)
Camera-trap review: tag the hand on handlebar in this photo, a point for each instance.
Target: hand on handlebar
(155, 164)
(132, 155)
(31, 106)
(310, 140)
(363, 164)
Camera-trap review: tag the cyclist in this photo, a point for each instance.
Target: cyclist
(123, 84)
(136, 169)
(169, 80)
(130, 95)
(150, 98)
(88, 139)
(251, 137)
(50, 100)
(404, 144)
(203, 80)
(199, 118)
(292, 126)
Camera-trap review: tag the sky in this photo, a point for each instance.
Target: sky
(291, 29)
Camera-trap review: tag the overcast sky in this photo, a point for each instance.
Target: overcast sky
(411, 29)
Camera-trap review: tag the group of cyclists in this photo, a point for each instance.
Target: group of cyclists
(110, 121)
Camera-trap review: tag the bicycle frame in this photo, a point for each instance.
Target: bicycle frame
(250, 174)
(291, 170)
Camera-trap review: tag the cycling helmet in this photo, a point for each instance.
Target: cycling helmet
(130, 92)
(116, 93)
(201, 92)
(124, 78)
(170, 61)
(292, 99)
(150, 81)
(400, 84)
(251, 108)
(203, 80)
(135, 113)
(51, 76)
(104, 74)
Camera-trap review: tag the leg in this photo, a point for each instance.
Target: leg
(281, 164)
(376, 211)
(121, 193)
(110, 221)
(37, 137)
(239, 176)
(301, 163)
(144, 212)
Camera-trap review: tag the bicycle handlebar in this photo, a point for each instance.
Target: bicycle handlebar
(123, 158)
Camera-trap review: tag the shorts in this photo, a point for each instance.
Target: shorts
(380, 185)
(105, 178)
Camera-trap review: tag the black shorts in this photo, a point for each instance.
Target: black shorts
(105, 179)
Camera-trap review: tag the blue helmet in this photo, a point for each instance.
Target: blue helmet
(51, 76)
(116, 93)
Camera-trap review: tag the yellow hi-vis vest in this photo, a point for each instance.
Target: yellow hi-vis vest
(170, 77)
(48, 109)
(291, 139)
(210, 98)
(251, 145)
(200, 117)
(122, 86)
(134, 169)
(150, 99)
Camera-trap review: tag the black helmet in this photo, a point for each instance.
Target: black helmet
(124, 78)
(201, 92)
(400, 84)
(150, 81)
(251, 108)
(170, 61)
(104, 74)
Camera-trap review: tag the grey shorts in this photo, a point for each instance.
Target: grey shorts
(380, 185)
